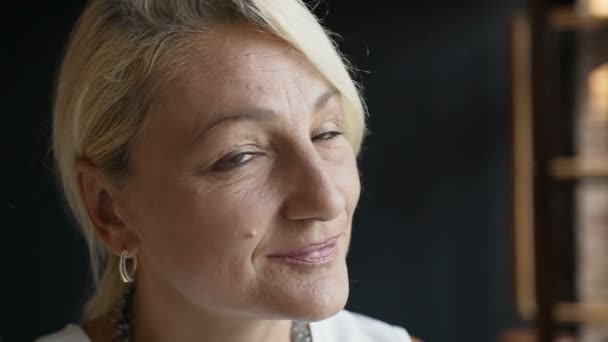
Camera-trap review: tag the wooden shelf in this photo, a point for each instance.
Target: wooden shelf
(581, 312)
(573, 168)
(529, 335)
(566, 18)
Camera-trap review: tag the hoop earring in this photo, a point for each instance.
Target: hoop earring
(125, 275)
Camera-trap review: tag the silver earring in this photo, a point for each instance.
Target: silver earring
(125, 275)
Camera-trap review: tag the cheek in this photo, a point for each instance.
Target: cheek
(346, 176)
(207, 235)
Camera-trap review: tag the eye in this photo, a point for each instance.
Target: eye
(327, 135)
(234, 160)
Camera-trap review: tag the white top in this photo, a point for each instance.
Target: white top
(343, 327)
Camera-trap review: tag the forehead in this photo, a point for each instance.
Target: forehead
(234, 70)
(238, 63)
(246, 48)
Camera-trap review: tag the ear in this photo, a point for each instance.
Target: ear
(103, 199)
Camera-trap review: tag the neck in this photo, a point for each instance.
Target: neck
(165, 315)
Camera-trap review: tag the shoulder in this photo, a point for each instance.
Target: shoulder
(350, 326)
(71, 333)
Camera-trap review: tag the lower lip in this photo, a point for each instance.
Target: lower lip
(317, 257)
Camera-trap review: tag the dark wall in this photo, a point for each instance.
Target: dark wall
(430, 239)
(44, 270)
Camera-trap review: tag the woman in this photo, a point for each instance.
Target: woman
(207, 148)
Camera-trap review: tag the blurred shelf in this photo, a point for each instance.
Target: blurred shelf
(566, 18)
(523, 170)
(529, 335)
(581, 312)
(573, 168)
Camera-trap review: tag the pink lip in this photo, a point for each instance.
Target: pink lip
(313, 254)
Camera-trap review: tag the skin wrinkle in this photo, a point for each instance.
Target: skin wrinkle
(257, 88)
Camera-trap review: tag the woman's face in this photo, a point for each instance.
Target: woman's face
(243, 190)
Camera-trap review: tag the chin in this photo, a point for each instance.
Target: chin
(324, 300)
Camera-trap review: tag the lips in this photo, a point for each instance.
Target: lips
(313, 254)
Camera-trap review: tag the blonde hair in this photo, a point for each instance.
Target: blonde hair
(118, 57)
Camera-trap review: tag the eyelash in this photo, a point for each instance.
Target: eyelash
(227, 162)
(327, 135)
(221, 166)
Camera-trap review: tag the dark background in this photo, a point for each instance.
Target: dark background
(430, 249)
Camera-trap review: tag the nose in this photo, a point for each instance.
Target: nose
(312, 193)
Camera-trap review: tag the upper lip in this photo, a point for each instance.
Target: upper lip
(306, 248)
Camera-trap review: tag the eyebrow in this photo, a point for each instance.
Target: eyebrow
(324, 98)
(260, 114)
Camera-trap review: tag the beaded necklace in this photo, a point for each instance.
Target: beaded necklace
(121, 320)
